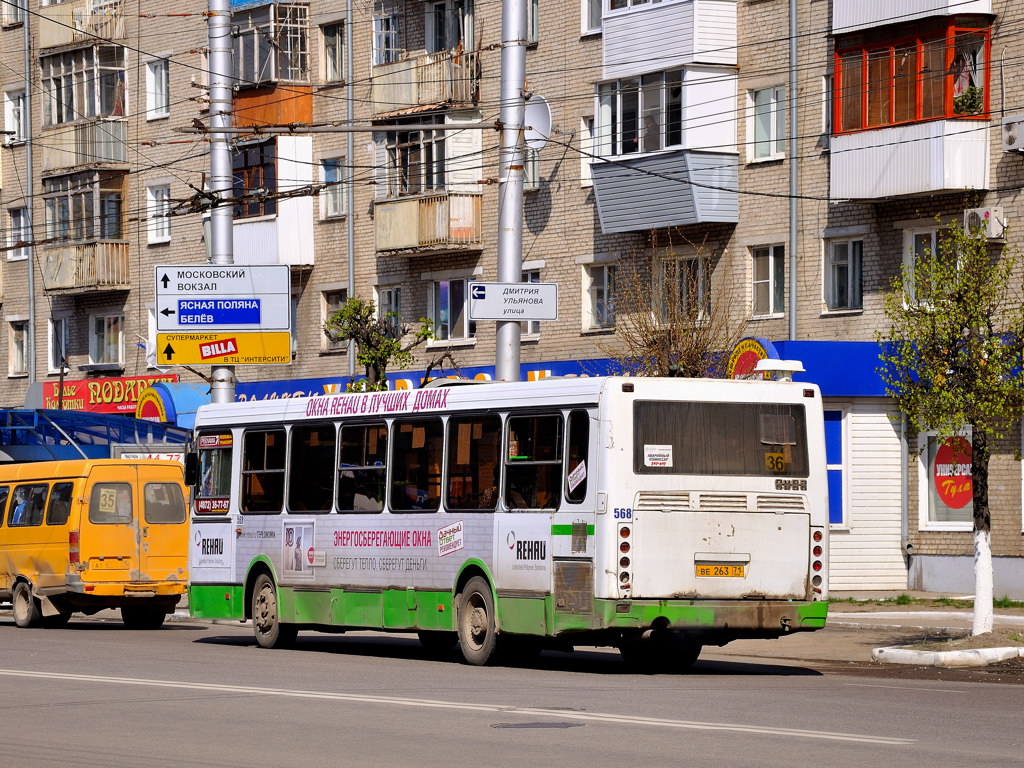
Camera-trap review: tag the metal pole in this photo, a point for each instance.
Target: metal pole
(510, 177)
(30, 192)
(794, 169)
(350, 189)
(222, 389)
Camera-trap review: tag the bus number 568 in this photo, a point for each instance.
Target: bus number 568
(623, 513)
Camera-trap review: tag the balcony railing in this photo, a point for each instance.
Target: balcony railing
(86, 143)
(80, 21)
(449, 221)
(445, 77)
(86, 267)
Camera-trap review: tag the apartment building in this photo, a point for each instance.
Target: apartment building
(783, 165)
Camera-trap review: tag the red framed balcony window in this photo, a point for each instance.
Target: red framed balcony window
(892, 77)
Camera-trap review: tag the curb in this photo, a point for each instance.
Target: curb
(975, 657)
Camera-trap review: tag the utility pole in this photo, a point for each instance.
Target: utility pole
(222, 252)
(510, 177)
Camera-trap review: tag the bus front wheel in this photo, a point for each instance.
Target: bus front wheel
(477, 635)
(27, 611)
(266, 624)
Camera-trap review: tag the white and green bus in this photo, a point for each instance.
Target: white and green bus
(656, 515)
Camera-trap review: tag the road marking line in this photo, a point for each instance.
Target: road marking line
(496, 708)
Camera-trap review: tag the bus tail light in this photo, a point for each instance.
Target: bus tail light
(73, 551)
(625, 532)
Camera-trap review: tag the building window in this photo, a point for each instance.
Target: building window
(834, 453)
(334, 52)
(640, 114)
(590, 16)
(766, 116)
(683, 292)
(14, 12)
(450, 311)
(530, 327)
(843, 271)
(533, 21)
(769, 285)
(600, 296)
(449, 25)
(389, 307)
(927, 71)
(158, 89)
(88, 82)
(18, 348)
(56, 344)
(271, 44)
(84, 207)
(386, 41)
(587, 148)
(945, 482)
(254, 167)
(531, 169)
(332, 197)
(332, 301)
(158, 206)
(416, 162)
(18, 232)
(921, 247)
(106, 342)
(15, 117)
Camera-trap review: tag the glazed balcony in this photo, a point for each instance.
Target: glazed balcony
(853, 15)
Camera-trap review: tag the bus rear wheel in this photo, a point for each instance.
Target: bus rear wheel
(142, 616)
(266, 624)
(477, 634)
(27, 611)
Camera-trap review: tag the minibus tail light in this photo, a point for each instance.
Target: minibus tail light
(73, 552)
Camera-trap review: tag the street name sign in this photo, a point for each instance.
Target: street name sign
(244, 348)
(513, 301)
(223, 297)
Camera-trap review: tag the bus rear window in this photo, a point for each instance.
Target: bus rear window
(753, 439)
(164, 503)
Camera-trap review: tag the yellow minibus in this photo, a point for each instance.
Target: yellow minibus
(86, 535)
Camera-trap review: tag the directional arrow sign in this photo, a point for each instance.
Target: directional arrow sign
(216, 298)
(256, 348)
(513, 301)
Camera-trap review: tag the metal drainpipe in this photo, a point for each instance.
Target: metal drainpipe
(794, 176)
(30, 191)
(350, 224)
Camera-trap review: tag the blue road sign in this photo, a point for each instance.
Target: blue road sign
(230, 312)
(477, 291)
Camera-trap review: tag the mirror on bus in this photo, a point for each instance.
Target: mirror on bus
(191, 469)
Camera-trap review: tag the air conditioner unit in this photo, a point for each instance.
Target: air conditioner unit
(1013, 133)
(988, 222)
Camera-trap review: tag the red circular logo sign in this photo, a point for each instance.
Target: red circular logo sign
(951, 472)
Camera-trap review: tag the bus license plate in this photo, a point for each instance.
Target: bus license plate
(715, 570)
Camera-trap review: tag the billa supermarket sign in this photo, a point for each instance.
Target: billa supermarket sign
(113, 395)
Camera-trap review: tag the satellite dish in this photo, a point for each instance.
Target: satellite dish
(537, 119)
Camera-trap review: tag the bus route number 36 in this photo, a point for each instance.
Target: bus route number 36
(623, 513)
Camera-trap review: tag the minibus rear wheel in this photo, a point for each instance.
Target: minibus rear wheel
(27, 611)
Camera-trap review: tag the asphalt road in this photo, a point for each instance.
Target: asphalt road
(194, 695)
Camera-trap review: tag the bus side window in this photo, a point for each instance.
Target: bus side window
(533, 462)
(417, 446)
(473, 453)
(59, 510)
(362, 467)
(5, 492)
(29, 502)
(311, 468)
(263, 454)
(576, 461)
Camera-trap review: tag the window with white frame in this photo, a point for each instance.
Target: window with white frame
(590, 16)
(599, 294)
(158, 206)
(448, 25)
(56, 344)
(330, 302)
(14, 12)
(158, 89)
(84, 207)
(18, 348)
(945, 482)
(532, 21)
(332, 197)
(530, 327)
(271, 44)
(618, 5)
(769, 284)
(921, 247)
(87, 82)
(386, 37)
(766, 123)
(450, 310)
(106, 340)
(640, 114)
(531, 169)
(586, 150)
(843, 274)
(18, 231)
(683, 289)
(15, 117)
(389, 306)
(333, 36)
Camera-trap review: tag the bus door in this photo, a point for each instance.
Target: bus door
(109, 530)
(163, 525)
